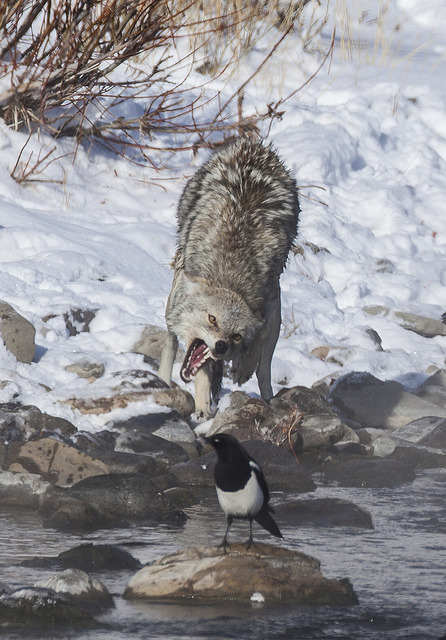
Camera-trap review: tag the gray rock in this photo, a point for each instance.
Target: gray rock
(417, 430)
(363, 400)
(78, 320)
(89, 370)
(22, 489)
(20, 422)
(302, 400)
(369, 472)
(282, 471)
(126, 496)
(206, 573)
(419, 457)
(31, 606)
(323, 512)
(434, 389)
(98, 557)
(165, 453)
(244, 418)
(316, 431)
(79, 588)
(436, 439)
(17, 333)
(426, 327)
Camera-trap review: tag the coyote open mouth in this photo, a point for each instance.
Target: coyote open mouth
(197, 354)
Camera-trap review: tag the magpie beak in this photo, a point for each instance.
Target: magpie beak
(241, 487)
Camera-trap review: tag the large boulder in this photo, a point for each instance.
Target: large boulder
(80, 589)
(22, 489)
(365, 401)
(17, 333)
(206, 573)
(323, 512)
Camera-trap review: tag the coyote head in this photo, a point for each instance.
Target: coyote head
(216, 323)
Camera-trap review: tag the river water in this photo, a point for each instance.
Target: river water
(398, 571)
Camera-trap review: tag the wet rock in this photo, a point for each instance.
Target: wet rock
(181, 496)
(419, 457)
(88, 557)
(369, 472)
(434, 389)
(127, 496)
(22, 489)
(66, 513)
(362, 400)
(17, 333)
(436, 439)
(206, 573)
(164, 453)
(79, 588)
(98, 557)
(281, 470)
(38, 606)
(323, 512)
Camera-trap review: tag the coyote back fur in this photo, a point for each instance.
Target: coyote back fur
(237, 219)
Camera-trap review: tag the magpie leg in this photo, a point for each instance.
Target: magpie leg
(224, 543)
(250, 540)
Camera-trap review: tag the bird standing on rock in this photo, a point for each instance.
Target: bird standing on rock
(241, 487)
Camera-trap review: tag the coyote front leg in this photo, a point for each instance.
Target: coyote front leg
(168, 357)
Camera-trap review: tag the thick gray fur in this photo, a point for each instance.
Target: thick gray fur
(237, 220)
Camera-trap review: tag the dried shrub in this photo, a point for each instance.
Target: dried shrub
(119, 71)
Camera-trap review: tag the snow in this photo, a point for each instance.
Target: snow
(366, 140)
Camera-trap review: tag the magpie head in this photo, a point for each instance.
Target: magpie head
(227, 447)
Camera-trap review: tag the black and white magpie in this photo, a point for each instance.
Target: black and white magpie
(241, 487)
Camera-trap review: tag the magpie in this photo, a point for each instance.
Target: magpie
(241, 487)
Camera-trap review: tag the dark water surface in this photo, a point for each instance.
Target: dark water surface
(398, 571)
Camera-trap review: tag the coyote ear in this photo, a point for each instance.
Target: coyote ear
(193, 286)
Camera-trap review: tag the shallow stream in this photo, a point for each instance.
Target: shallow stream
(398, 571)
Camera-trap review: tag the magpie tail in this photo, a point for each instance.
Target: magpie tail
(265, 520)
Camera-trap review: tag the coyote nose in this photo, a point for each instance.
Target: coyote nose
(220, 347)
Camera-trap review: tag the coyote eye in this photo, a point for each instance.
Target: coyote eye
(212, 319)
(236, 337)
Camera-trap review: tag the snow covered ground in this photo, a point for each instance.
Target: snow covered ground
(366, 140)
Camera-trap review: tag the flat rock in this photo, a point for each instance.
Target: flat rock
(369, 472)
(88, 557)
(17, 333)
(206, 573)
(363, 400)
(323, 512)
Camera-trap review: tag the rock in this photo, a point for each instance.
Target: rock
(181, 496)
(363, 400)
(323, 512)
(73, 515)
(78, 320)
(419, 457)
(98, 557)
(426, 327)
(58, 462)
(126, 496)
(89, 370)
(281, 470)
(88, 557)
(19, 422)
(151, 343)
(420, 429)
(206, 573)
(38, 606)
(243, 418)
(22, 489)
(434, 389)
(169, 426)
(316, 431)
(436, 439)
(165, 453)
(79, 588)
(370, 472)
(17, 333)
(177, 399)
(301, 400)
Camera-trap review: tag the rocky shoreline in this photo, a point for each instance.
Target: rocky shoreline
(352, 430)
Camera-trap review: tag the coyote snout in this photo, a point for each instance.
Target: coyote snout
(237, 220)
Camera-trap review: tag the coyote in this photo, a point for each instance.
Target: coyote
(237, 219)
